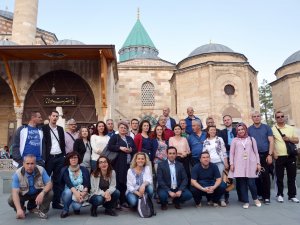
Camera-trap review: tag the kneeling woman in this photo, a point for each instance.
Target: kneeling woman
(76, 180)
(103, 187)
(139, 179)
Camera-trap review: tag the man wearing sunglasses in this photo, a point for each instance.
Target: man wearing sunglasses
(284, 161)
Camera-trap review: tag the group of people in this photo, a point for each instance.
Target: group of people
(171, 162)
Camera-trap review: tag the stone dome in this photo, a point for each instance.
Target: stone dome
(293, 58)
(68, 42)
(6, 42)
(210, 48)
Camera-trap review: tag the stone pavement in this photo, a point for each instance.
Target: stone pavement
(286, 213)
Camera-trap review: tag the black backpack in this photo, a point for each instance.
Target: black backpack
(145, 206)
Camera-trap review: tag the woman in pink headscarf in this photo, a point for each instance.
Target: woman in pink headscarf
(245, 164)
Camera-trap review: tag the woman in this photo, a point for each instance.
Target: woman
(139, 179)
(183, 149)
(103, 187)
(83, 147)
(76, 181)
(142, 140)
(99, 141)
(182, 123)
(245, 164)
(125, 147)
(215, 146)
(160, 146)
(91, 129)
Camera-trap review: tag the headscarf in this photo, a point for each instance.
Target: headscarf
(245, 128)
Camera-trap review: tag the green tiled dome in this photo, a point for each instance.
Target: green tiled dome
(138, 44)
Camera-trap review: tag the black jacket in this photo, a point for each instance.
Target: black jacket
(79, 147)
(223, 135)
(164, 176)
(47, 141)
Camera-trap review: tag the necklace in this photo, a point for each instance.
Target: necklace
(245, 154)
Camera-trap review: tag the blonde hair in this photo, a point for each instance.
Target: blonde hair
(133, 161)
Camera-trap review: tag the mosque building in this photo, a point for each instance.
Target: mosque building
(40, 72)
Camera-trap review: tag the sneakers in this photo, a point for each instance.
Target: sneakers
(42, 215)
(294, 199)
(257, 203)
(85, 204)
(267, 201)
(223, 203)
(215, 205)
(280, 199)
(246, 206)
(35, 211)
(210, 203)
(199, 205)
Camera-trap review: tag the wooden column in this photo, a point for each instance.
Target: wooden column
(103, 83)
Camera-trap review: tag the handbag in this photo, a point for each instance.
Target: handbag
(80, 189)
(228, 181)
(145, 206)
(109, 154)
(290, 147)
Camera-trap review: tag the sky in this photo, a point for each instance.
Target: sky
(265, 31)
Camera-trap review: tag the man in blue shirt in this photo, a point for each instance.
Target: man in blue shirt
(196, 139)
(28, 140)
(263, 135)
(206, 181)
(189, 119)
(31, 183)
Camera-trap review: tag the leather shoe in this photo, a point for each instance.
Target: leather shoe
(64, 214)
(77, 212)
(110, 212)
(57, 206)
(177, 206)
(164, 207)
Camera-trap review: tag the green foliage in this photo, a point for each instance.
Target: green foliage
(266, 102)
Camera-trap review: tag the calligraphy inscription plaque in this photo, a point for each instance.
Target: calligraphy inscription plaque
(57, 100)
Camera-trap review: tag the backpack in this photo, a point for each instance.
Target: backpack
(145, 206)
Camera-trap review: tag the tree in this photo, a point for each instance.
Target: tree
(266, 102)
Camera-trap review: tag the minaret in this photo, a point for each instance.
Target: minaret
(24, 22)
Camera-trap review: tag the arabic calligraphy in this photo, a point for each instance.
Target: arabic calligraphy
(60, 100)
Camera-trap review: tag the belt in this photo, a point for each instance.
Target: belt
(56, 155)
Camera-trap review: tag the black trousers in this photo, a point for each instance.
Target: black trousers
(288, 163)
(186, 164)
(53, 167)
(263, 182)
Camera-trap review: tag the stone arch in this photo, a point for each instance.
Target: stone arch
(234, 111)
(68, 85)
(7, 113)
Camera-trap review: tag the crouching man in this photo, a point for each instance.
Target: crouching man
(206, 181)
(31, 183)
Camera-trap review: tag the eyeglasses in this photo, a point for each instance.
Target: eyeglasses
(277, 117)
(102, 162)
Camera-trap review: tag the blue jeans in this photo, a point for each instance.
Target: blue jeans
(215, 197)
(67, 200)
(97, 200)
(163, 196)
(244, 183)
(132, 198)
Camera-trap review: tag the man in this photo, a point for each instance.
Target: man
(134, 124)
(206, 181)
(31, 183)
(182, 123)
(189, 119)
(210, 122)
(172, 181)
(110, 127)
(170, 122)
(228, 133)
(71, 135)
(54, 154)
(167, 132)
(196, 139)
(263, 135)
(284, 161)
(28, 140)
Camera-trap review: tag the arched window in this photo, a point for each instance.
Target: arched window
(251, 95)
(148, 94)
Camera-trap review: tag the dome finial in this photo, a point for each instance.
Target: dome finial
(138, 13)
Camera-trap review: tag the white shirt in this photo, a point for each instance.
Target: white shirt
(173, 174)
(55, 147)
(98, 143)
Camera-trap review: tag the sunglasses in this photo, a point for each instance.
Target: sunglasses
(277, 117)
